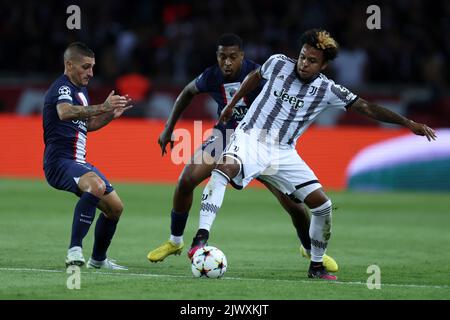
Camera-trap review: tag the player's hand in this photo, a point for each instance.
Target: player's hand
(119, 111)
(129, 101)
(226, 114)
(164, 138)
(115, 101)
(422, 130)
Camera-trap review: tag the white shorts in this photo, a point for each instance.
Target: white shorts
(281, 166)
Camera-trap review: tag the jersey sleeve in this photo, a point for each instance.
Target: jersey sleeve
(201, 82)
(64, 94)
(340, 97)
(267, 67)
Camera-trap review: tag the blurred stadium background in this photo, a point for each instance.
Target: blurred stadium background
(151, 49)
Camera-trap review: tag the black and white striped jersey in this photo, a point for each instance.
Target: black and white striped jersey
(286, 106)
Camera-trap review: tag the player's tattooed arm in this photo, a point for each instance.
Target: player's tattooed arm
(99, 121)
(67, 111)
(382, 114)
(377, 112)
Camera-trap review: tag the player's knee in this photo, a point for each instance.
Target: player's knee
(97, 187)
(316, 199)
(231, 170)
(186, 183)
(93, 184)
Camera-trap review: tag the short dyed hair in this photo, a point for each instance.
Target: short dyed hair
(321, 40)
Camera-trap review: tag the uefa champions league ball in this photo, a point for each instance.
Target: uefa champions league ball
(208, 262)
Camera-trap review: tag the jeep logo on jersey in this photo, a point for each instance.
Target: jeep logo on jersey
(295, 102)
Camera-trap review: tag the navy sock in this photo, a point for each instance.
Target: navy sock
(305, 240)
(178, 223)
(104, 232)
(82, 218)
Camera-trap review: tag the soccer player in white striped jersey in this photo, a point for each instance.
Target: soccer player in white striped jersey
(295, 93)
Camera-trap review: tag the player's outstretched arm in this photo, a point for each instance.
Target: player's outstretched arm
(67, 111)
(181, 103)
(250, 83)
(379, 113)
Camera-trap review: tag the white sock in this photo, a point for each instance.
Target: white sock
(176, 239)
(320, 230)
(212, 199)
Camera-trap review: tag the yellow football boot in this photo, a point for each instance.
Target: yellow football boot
(166, 249)
(328, 262)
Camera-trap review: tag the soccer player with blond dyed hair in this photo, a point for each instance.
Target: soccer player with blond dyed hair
(295, 93)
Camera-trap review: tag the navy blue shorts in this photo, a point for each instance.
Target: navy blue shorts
(65, 174)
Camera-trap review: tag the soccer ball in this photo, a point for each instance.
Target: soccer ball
(208, 262)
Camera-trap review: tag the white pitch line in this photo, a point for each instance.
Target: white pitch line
(122, 273)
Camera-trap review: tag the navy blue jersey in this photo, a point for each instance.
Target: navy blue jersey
(64, 139)
(213, 82)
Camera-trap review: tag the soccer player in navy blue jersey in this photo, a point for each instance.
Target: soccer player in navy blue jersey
(220, 81)
(67, 117)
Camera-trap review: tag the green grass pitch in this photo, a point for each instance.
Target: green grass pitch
(406, 234)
